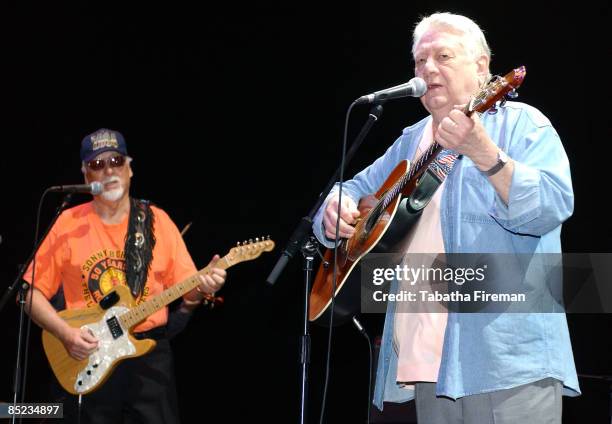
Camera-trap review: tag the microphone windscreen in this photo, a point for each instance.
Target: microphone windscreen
(420, 87)
(96, 188)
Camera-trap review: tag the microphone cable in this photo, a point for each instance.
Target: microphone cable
(335, 270)
(31, 289)
(360, 328)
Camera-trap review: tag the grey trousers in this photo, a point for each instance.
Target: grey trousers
(534, 403)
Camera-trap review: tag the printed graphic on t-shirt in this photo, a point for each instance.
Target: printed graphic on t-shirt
(102, 272)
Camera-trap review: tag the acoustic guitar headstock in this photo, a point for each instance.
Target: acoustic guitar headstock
(496, 90)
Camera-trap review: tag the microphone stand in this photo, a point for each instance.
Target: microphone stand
(21, 286)
(308, 245)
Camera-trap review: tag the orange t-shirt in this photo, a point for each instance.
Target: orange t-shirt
(86, 256)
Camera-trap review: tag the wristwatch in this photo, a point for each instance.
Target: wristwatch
(502, 159)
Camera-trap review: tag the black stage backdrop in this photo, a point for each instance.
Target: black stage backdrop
(233, 114)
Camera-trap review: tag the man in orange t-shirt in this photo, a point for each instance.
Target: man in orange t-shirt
(88, 254)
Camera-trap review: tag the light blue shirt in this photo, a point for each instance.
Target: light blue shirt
(488, 352)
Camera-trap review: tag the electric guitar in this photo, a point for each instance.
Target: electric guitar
(113, 326)
(385, 217)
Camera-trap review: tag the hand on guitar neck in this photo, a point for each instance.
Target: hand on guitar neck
(466, 135)
(210, 282)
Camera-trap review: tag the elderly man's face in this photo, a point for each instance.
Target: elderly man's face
(451, 73)
(113, 171)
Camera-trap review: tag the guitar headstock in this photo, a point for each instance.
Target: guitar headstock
(249, 250)
(496, 90)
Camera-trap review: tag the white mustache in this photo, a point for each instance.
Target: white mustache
(115, 193)
(113, 179)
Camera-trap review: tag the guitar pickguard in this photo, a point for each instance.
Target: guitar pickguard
(109, 351)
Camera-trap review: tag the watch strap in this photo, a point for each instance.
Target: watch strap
(497, 167)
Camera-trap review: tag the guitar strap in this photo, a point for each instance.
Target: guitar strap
(430, 181)
(139, 244)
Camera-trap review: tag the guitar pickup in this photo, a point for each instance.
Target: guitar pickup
(114, 327)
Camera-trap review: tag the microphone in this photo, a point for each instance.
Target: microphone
(416, 87)
(94, 188)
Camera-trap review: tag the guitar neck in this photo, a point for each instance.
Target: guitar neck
(140, 312)
(417, 168)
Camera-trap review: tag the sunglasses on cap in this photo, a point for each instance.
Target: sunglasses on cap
(113, 162)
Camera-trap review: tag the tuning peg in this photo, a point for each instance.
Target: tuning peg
(512, 94)
(250, 241)
(502, 102)
(237, 244)
(244, 242)
(493, 110)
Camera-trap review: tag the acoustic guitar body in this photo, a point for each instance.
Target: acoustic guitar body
(368, 238)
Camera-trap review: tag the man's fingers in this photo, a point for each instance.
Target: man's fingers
(88, 337)
(216, 279)
(212, 282)
(90, 344)
(345, 231)
(348, 215)
(78, 356)
(350, 211)
(332, 217)
(219, 272)
(329, 221)
(330, 226)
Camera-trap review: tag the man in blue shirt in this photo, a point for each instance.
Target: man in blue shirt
(509, 192)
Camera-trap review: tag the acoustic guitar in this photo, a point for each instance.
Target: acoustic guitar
(386, 216)
(113, 326)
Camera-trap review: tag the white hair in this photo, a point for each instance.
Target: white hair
(475, 45)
